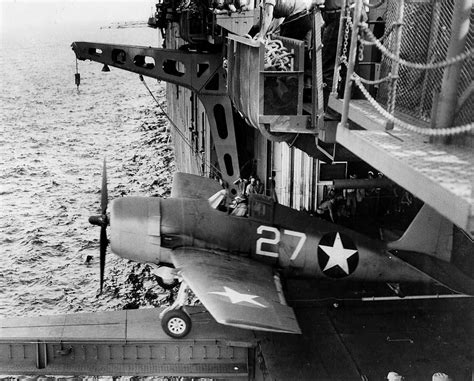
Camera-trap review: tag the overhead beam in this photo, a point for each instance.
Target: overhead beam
(440, 175)
(200, 72)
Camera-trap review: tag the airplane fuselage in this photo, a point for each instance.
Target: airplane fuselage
(146, 229)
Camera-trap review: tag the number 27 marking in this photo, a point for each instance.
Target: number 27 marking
(276, 239)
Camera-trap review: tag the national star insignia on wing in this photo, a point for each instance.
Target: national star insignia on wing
(236, 297)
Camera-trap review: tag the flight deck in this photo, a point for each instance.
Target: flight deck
(342, 339)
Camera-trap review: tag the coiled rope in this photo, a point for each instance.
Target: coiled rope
(277, 56)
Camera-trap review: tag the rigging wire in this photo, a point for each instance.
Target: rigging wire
(77, 76)
(212, 168)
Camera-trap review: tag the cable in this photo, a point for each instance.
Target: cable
(181, 133)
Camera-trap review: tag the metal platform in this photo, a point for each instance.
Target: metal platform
(357, 340)
(440, 175)
(124, 343)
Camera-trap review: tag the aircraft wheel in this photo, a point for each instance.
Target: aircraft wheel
(167, 285)
(176, 324)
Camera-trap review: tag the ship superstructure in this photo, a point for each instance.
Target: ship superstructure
(400, 106)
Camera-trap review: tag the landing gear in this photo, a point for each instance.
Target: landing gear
(167, 284)
(175, 322)
(165, 276)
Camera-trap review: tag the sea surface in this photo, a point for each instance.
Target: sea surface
(53, 140)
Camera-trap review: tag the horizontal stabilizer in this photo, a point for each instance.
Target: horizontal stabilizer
(429, 233)
(442, 272)
(186, 185)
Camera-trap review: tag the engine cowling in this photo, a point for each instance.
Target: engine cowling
(135, 227)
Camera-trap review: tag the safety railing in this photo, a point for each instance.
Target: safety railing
(426, 66)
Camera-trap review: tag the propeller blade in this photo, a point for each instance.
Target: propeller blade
(104, 193)
(103, 249)
(102, 221)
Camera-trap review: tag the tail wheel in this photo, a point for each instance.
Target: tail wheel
(176, 324)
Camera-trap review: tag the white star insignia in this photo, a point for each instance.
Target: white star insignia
(338, 255)
(236, 297)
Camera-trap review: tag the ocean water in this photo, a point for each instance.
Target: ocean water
(53, 139)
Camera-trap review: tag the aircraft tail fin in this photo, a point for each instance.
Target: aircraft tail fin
(428, 246)
(186, 185)
(429, 233)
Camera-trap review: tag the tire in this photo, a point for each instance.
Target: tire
(176, 324)
(165, 285)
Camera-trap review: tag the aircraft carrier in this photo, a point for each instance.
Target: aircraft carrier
(398, 124)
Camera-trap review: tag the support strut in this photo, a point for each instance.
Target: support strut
(200, 72)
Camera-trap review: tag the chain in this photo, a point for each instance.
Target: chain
(346, 37)
(418, 130)
(361, 52)
(343, 58)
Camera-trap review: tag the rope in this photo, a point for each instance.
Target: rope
(277, 56)
(376, 5)
(413, 65)
(377, 81)
(387, 33)
(180, 133)
(418, 130)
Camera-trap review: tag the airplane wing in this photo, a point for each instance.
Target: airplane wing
(235, 290)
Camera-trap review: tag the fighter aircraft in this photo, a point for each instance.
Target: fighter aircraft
(233, 264)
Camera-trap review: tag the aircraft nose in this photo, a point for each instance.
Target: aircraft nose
(135, 228)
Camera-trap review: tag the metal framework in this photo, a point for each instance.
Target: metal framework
(200, 72)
